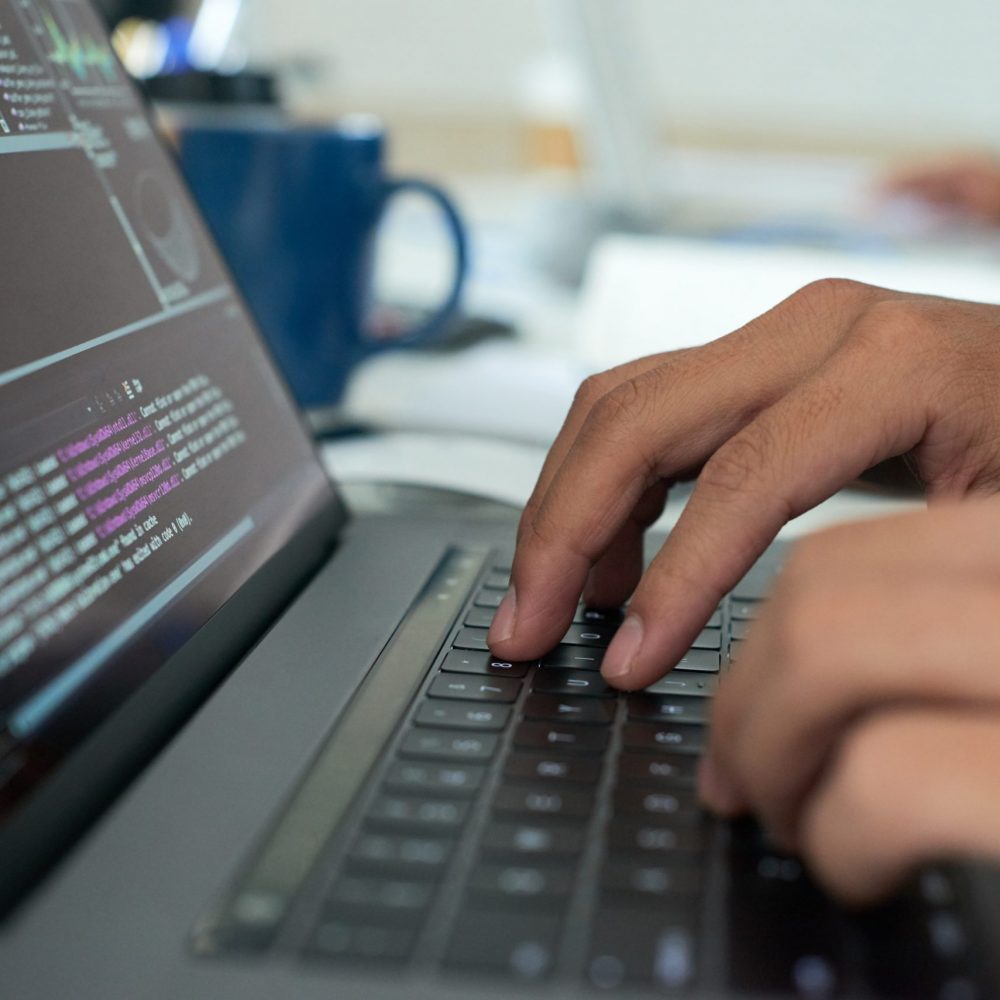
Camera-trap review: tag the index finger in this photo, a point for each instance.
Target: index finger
(794, 455)
(666, 421)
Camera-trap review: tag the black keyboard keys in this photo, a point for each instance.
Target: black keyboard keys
(543, 800)
(553, 767)
(785, 936)
(463, 662)
(520, 944)
(410, 856)
(459, 747)
(542, 842)
(644, 946)
(675, 737)
(419, 778)
(562, 738)
(663, 708)
(498, 689)
(463, 715)
(582, 711)
(571, 682)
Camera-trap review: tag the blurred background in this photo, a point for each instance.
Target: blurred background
(636, 175)
(467, 83)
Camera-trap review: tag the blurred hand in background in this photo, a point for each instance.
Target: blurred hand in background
(966, 185)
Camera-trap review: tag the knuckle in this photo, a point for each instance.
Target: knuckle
(831, 291)
(617, 411)
(591, 389)
(737, 465)
(895, 328)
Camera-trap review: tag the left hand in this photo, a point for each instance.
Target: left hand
(862, 720)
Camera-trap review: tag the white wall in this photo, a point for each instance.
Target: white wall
(874, 73)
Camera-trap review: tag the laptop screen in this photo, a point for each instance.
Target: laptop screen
(150, 459)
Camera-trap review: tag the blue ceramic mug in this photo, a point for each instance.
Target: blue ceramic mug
(295, 210)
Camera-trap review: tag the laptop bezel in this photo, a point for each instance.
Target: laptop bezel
(39, 834)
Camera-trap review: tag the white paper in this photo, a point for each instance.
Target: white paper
(643, 295)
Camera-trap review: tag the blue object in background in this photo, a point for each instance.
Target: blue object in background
(295, 212)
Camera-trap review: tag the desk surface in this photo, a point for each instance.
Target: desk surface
(507, 471)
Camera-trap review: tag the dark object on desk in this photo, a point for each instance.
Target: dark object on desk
(218, 90)
(460, 333)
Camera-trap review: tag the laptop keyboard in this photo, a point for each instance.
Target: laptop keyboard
(530, 822)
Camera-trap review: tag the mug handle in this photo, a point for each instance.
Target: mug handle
(436, 321)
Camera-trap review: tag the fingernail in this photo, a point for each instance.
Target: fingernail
(623, 649)
(503, 621)
(715, 788)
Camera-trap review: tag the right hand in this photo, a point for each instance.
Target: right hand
(772, 419)
(966, 186)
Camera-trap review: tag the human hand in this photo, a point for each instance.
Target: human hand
(966, 185)
(862, 721)
(773, 419)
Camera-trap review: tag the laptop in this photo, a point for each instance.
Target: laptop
(252, 745)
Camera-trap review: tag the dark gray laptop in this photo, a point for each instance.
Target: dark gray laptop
(252, 747)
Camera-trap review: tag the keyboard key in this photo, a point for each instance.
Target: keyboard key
(699, 659)
(536, 885)
(472, 638)
(707, 638)
(535, 767)
(398, 811)
(686, 682)
(578, 739)
(479, 617)
(917, 946)
(739, 629)
(573, 682)
(784, 939)
(498, 689)
(674, 804)
(585, 711)
(457, 662)
(745, 611)
(715, 621)
(654, 839)
(543, 800)
(785, 936)
(448, 746)
(497, 580)
(384, 900)
(660, 770)
(460, 715)
(415, 857)
(436, 779)
(347, 939)
(520, 944)
(597, 616)
(734, 649)
(642, 947)
(656, 708)
(677, 738)
(576, 657)
(555, 842)
(488, 598)
(660, 882)
(590, 634)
